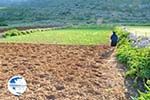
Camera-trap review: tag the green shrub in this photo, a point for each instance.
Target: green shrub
(137, 60)
(10, 33)
(148, 82)
(145, 96)
(28, 32)
(15, 32)
(31, 31)
(121, 32)
(23, 33)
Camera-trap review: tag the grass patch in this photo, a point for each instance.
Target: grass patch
(71, 36)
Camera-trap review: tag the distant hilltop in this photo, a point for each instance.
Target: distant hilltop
(74, 11)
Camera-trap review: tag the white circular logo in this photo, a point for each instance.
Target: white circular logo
(17, 85)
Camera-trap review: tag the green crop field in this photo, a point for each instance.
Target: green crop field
(75, 36)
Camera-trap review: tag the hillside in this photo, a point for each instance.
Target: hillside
(70, 12)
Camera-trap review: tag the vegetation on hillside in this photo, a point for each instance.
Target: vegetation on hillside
(136, 59)
(62, 12)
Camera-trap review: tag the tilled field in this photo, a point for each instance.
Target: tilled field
(58, 72)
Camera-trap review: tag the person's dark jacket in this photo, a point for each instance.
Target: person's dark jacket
(114, 39)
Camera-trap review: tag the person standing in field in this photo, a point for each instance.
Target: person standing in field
(114, 39)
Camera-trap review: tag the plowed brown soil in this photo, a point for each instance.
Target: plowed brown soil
(58, 72)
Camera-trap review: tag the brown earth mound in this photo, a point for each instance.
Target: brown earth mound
(57, 72)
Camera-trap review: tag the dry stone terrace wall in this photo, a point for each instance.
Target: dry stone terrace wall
(139, 41)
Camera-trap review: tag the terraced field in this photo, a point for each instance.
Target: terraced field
(59, 72)
(140, 30)
(79, 36)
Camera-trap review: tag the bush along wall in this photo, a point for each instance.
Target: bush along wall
(137, 59)
(15, 32)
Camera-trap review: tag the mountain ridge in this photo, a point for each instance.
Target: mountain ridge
(75, 11)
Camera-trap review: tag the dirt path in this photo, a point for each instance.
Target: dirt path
(115, 73)
(57, 72)
(120, 86)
